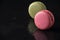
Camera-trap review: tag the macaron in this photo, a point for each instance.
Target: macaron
(44, 19)
(35, 7)
(31, 27)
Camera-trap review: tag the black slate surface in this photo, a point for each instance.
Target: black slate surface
(14, 19)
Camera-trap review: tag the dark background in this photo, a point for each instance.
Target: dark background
(14, 19)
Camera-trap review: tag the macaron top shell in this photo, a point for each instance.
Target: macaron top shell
(43, 19)
(35, 7)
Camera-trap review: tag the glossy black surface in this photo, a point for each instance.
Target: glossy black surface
(14, 19)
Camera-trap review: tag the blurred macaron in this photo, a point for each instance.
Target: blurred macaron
(35, 7)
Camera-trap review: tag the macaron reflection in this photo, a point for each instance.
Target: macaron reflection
(39, 35)
(31, 27)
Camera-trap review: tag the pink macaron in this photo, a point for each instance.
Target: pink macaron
(44, 19)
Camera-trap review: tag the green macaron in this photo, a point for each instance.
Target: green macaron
(35, 7)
